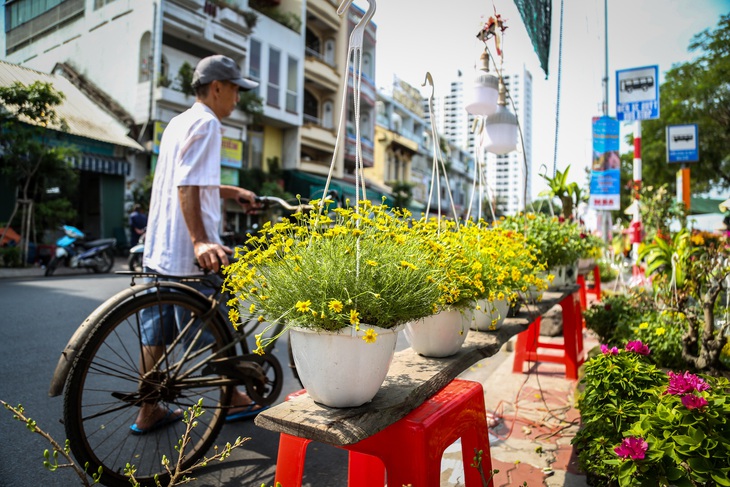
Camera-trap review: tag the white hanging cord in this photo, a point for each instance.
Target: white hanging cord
(557, 102)
(673, 282)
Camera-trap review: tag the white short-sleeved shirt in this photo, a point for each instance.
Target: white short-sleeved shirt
(190, 154)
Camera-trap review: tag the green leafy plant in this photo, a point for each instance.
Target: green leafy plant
(614, 388)
(557, 239)
(185, 79)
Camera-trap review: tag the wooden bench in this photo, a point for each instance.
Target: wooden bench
(412, 380)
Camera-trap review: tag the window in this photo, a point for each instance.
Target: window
(24, 10)
(311, 108)
(145, 58)
(272, 93)
(291, 85)
(254, 65)
(255, 149)
(100, 3)
(327, 114)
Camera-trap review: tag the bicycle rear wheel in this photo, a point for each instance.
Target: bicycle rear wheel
(104, 388)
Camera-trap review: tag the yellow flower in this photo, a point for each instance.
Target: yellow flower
(408, 265)
(234, 315)
(335, 305)
(660, 331)
(260, 319)
(354, 317)
(303, 306)
(698, 240)
(252, 308)
(644, 325)
(370, 336)
(371, 263)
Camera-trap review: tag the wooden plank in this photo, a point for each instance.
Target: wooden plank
(411, 380)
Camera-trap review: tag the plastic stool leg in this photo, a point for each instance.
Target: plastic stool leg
(290, 460)
(364, 470)
(569, 336)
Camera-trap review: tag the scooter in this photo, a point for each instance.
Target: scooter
(135, 255)
(73, 252)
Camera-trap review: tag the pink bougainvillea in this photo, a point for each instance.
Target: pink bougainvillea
(637, 347)
(633, 448)
(680, 384)
(609, 351)
(691, 401)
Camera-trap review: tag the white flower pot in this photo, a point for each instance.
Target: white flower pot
(559, 280)
(340, 369)
(484, 318)
(439, 335)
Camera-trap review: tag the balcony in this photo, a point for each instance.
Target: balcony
(316, 136)
(325, 12)
(191, 4)
(367, 151)
(317, 71)
(25, 33)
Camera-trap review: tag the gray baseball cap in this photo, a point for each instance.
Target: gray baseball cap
(220, 68)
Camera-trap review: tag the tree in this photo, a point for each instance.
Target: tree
(695, 92)
(30, 152)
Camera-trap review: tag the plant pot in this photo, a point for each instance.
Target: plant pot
(559, 279)
(491, 315)
(340, 369)
(571, 274)
(439, 335)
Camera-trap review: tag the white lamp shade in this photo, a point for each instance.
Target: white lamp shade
(501, 131)
(484, 95)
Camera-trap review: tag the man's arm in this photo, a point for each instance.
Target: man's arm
(210, 255)
(244, 197)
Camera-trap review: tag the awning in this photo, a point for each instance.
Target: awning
(102, 164)
(699, 205)
(312, 186)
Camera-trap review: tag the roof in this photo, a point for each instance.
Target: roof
(84, 117)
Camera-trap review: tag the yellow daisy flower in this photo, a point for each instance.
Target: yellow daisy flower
(370, 336)
(335, 305)
(303, 306)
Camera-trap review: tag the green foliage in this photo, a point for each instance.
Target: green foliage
(559, 242)
(185, 78)
(402, 193)
(10, 257)
(614, 390)
(251, 104)
(695, 92)
(662, 332)
(611, 318)
(287, 19)
(659, 209)
(569, 194)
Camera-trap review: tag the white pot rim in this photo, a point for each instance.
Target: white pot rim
(350, 330)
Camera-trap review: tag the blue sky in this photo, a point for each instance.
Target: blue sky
(416, 36)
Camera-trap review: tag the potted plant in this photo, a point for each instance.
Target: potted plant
(350, 278)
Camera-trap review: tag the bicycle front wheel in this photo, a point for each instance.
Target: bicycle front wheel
(105, 388)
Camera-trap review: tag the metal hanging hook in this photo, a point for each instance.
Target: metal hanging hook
(356, 37)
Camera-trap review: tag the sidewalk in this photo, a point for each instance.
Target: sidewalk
(532, 418)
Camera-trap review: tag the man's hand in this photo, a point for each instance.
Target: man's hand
(211, 255)
(243, 196)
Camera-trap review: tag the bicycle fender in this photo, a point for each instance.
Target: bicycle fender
(63, 367)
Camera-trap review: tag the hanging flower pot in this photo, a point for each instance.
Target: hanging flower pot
(490, 315)
(439, 335)
(501, 131)
(485, 91)
(343, 368)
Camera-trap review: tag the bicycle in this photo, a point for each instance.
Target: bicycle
(99, 370)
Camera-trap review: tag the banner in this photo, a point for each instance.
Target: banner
(605, 191)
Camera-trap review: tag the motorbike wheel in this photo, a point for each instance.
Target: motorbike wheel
(135, 262)
(51, 267)
(105, 262)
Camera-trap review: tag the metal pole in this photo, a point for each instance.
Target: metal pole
(605, 77)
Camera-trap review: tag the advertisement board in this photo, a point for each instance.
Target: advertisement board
(605, 189)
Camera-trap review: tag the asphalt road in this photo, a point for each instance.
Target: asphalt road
(37, 317)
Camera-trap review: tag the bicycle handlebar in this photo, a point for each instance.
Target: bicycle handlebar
(267, 201)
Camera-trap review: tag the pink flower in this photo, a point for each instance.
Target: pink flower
(633, 448)
(680, 384)
(691, 401)
(609, 351)
(637, 347)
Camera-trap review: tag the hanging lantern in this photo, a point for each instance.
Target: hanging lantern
(485, 90)
(501, 127)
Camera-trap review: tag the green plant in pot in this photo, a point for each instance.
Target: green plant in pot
(356, 276)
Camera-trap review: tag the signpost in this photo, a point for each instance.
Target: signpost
(682, 143)
(637, 94)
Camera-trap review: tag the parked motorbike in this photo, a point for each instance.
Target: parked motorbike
(72, 251)
(135, 255)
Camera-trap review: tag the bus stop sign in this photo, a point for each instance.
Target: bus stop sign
(637, 93)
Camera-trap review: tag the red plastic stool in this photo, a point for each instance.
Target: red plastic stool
(529, 343)
(409, 450)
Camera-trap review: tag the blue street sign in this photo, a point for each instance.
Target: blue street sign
(637, 93)
(682, 143)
